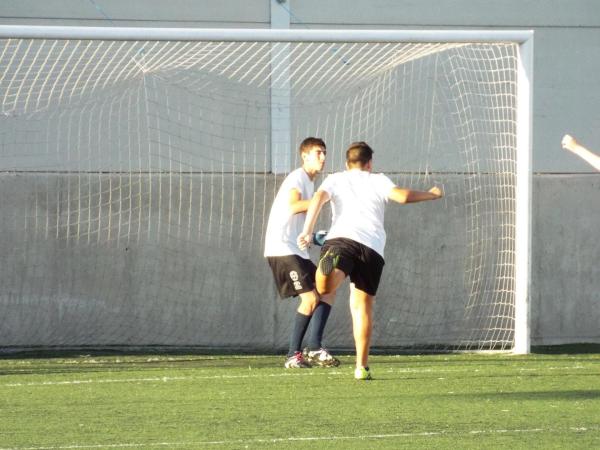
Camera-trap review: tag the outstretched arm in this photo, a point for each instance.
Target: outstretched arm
(401, 195)
(571, 144)
(314, 208)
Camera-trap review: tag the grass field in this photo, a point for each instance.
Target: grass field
(191, 401)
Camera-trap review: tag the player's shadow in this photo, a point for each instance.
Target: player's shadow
(576, 394)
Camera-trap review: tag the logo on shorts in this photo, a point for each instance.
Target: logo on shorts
(294, 277)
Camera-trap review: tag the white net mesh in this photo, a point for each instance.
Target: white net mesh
(137, 178)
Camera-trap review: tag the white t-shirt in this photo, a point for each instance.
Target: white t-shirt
(284, 227)
(358, 200)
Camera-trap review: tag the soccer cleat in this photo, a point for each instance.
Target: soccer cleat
(362, 373)
(329, 261)
(321, 358)
(296, 361)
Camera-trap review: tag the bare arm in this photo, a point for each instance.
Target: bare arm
(401, 195)
(571, 144)
(297, 204)
(316, 203)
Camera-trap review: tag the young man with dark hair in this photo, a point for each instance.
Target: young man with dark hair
(356, 239)
(292, 268)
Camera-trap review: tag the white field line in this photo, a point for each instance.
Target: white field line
(313, 438)
(166, 379)
(162, 379)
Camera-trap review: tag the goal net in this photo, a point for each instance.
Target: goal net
(138, 174)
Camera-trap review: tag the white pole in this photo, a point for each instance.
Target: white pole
(260, 35)
(523, 199)
(281, 121)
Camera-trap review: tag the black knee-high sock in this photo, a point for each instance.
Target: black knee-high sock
(300, 325)
(320, 316)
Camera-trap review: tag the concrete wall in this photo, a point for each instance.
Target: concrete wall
(565, 291)
(86, 264)
(565, 296)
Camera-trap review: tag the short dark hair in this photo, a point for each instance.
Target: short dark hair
(359, 153)
(310, 142)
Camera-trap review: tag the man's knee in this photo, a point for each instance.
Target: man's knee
(328, 284)
(326, 291)
(309, 301)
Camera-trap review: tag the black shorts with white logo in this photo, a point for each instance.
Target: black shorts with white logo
(362, 264)
(293, 274)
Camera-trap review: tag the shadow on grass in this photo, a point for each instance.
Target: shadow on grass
(566, 349)
(36, 352)
(46, 361)
(532, 395)
(100, 351)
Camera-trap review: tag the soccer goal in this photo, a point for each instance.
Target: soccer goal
(139, 166)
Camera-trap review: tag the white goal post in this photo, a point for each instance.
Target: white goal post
(142, 162)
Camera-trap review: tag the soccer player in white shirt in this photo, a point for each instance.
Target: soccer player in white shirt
(355, 242)
(293, 271)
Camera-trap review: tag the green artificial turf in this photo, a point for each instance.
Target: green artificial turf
(192, 401)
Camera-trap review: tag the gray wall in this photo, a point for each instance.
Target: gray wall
(565, 291)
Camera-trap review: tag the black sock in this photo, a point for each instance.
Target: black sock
(320, 316)
(300, 325)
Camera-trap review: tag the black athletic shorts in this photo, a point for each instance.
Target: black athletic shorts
(293, 274)
(361, 263)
